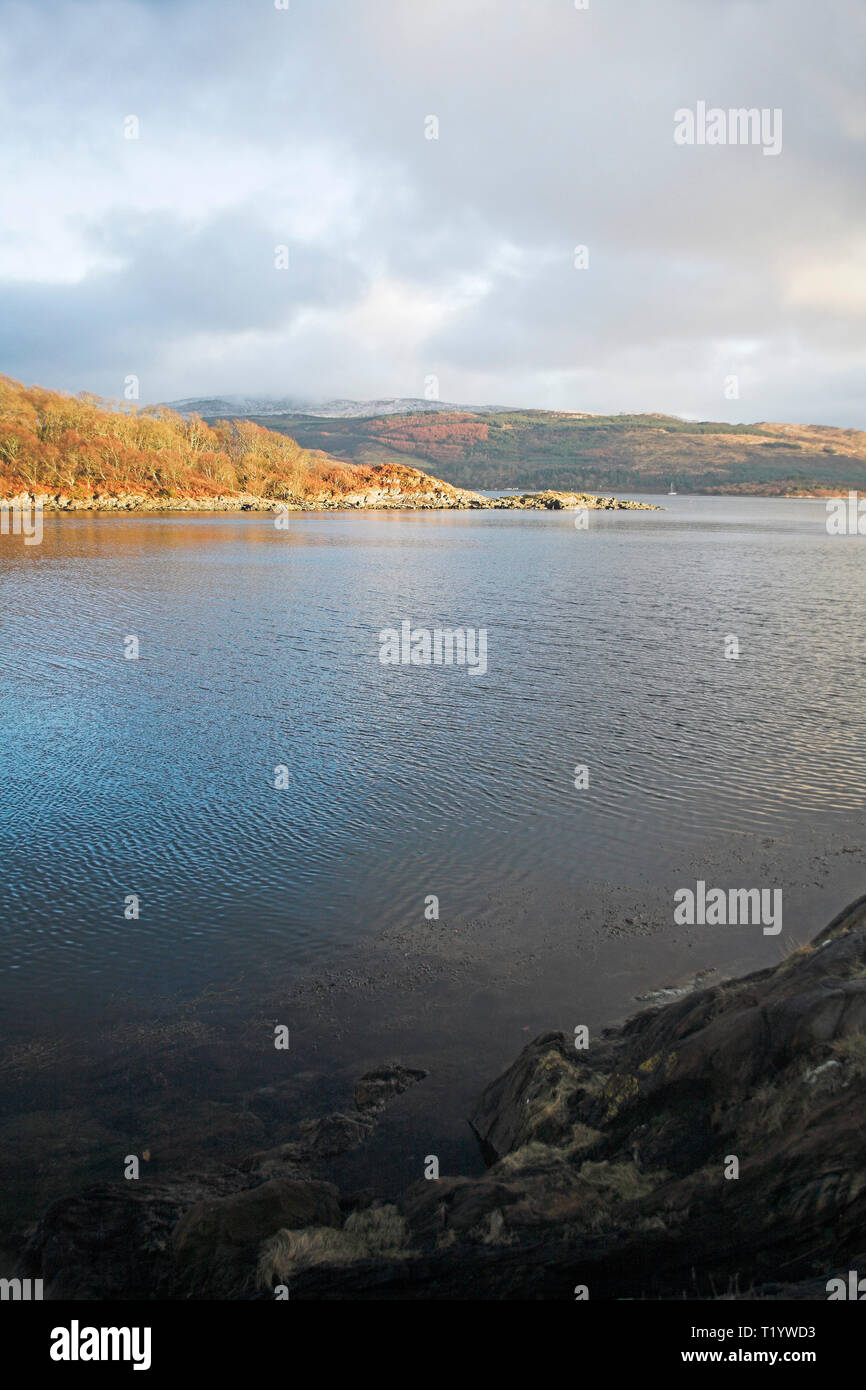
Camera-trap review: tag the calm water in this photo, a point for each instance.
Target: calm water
(258, 648)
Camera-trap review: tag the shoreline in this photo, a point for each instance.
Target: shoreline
(433, 500)
(463, 500)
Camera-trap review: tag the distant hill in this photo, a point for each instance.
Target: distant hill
(246, 407)
(536, 449)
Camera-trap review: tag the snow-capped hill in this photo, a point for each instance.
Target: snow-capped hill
(212, 407)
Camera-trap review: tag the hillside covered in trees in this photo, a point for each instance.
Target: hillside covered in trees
(80, 447)
(641, 453)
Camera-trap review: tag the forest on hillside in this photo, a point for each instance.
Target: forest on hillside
(83, 446)
(534, 450)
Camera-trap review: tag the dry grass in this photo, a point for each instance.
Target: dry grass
(851, 1052)
(378, 1232)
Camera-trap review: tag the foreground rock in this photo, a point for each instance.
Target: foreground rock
(112, 1241)
(216, 1243)
(608, 1166)
(710, 1147)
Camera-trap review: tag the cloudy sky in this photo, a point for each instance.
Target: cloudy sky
(411, 258)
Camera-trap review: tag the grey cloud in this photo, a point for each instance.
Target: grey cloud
(173, 282)
(555, 129)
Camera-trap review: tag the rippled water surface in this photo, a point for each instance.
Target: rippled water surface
(260, 647)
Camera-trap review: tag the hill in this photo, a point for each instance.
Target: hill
(81, 447)
(236, 407)
(79, 451)
(640, 453)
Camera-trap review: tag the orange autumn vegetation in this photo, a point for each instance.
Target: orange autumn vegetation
(81, 446)
(446, 438)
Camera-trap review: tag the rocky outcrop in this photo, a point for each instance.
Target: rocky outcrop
(216, 1243)
(710, 1147)
(567, 501)
(113, 1240)
(393, 488)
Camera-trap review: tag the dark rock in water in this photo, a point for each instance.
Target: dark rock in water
(216, 1242)
(375, 1088)
(331, 1135)
(275, 1105)
(114, 1240)
(279, 1162)
(317, 1140)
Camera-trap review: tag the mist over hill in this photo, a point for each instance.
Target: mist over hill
(245, 407)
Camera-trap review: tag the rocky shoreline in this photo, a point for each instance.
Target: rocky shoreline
(711, 1147)
(419, 493)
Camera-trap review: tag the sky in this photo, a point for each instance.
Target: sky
(375, 198)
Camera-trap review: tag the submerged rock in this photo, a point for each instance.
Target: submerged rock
(375, 1088)
(317, 1140)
